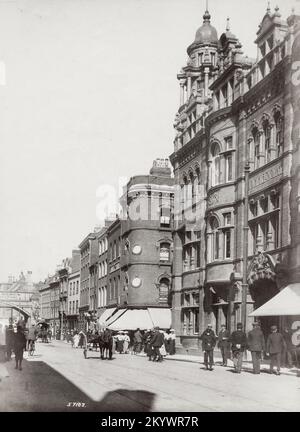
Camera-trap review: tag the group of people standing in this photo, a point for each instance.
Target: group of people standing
(149, 341)
(159, 343)
(238, 342)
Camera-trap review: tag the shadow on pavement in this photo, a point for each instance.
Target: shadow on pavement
(40, 388)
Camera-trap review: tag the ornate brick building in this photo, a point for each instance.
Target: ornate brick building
(233, 149)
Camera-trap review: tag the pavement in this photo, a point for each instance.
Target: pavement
(247, 364)
(59, 378)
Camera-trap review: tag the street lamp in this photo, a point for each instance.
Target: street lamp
(245, 247)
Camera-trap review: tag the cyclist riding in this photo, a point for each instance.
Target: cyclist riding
(31, 338)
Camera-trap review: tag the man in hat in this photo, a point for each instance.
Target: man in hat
(256, 345)
(275, 346)
(138, 339)
(287, 357)
(157, 342)
(172, 340)
(238, 341)
(19, 344)
(209, 339)
(223, 343)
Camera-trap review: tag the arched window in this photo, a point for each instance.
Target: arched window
(256, 140)
(267, 141)
(164, 290)
(216, 165)
(278, 133)
(214, 239)
(164, 253)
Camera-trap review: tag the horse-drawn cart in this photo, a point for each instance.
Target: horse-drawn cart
(105, 342)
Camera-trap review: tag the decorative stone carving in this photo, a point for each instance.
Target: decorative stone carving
(261, 267)
(213, 199)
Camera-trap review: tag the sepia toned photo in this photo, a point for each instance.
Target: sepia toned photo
(150, 218)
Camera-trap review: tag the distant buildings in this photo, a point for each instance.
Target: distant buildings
(73, 297)
(20, 298)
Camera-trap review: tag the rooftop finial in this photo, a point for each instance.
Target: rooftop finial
(206, 16)
(228, 24)
(277, 13)
(269, 8)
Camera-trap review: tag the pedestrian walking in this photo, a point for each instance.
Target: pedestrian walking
(82, 339)
(172, 341)
(76, 339)
(157, 342)
(31, 335)
(224, 344)
(209, 340)
(126, 342)
(256, 345)
(287, 358)
(9, 341)
(275, 347)
(19, 345)
(147, 344)
(120, 342)
(166, 341)
(238, 340)
(138, 339)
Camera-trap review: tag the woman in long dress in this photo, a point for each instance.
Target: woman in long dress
(76, 339)
(120, 342)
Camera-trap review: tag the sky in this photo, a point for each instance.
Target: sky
(88, 94)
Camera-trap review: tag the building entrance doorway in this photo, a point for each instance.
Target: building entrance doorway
(261, 292)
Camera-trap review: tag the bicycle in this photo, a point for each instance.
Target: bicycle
(31, 348)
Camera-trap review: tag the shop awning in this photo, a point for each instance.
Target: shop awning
(131, 319)
(160, 317)
(287, 302)
(114, 317)
(106, 314)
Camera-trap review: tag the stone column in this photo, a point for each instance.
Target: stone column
(229, 94)
(272, 142)
(181, 92)
(270, 236)
(189, 82)
(261, 155)
(206, 71)
(176, 287)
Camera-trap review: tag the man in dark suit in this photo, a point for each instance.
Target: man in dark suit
(238, 341)
(19, 344)
(157, 342)
(209, 339)
(287, 356)
(275, 346)
(256, 344)
(223, 343)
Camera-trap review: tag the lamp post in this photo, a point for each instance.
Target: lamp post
(245, 247)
